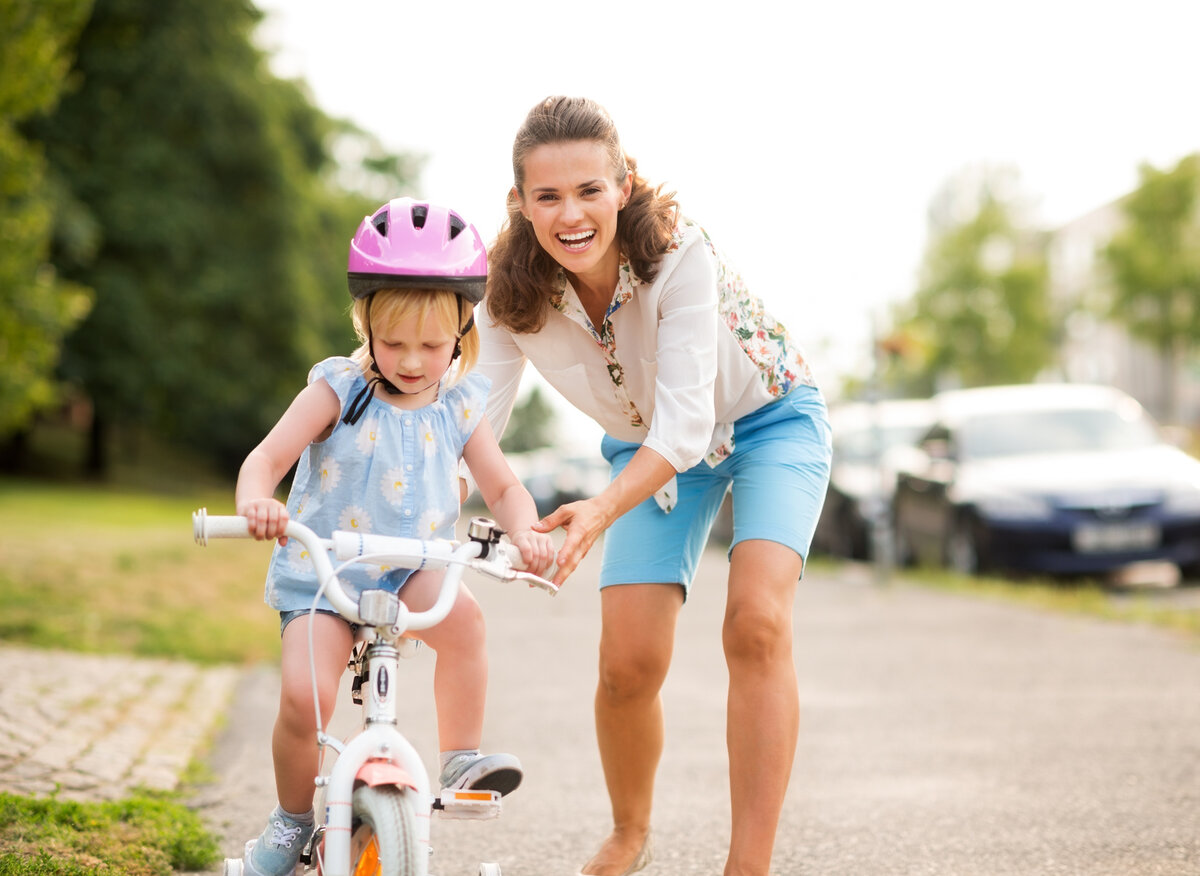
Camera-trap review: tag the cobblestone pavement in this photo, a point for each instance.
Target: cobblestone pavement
(96, 727)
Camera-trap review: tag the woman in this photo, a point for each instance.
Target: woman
(631, 313)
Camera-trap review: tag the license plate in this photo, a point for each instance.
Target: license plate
(1095, 538)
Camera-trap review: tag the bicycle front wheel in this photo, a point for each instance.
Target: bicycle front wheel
(384, 838)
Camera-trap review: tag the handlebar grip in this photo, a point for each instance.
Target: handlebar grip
(205, 527)
(512, 553)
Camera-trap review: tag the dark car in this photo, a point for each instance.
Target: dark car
(1055, 479)
(865, 438)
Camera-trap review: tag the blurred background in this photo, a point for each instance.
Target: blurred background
(932, 196)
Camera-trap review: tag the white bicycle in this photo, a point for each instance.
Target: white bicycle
(378, 801)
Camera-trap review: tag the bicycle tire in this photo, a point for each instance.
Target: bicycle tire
(383, 841)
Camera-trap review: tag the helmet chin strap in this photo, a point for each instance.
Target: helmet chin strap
(361, 401)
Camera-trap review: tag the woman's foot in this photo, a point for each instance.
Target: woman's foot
(619, 856)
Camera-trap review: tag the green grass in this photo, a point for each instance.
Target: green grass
(147, 835)
(1083, 597)
(95, 569)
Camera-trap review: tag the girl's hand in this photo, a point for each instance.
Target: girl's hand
(267, 518)
(537, 550)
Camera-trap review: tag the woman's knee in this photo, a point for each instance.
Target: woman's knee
(628, 673)
(756, 634)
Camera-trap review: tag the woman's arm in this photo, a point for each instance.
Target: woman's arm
(585, 520)
(503, 363)
(507, 498)
(310, 417)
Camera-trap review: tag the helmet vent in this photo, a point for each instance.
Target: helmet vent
(380, 221)
(457, 226)
(419, 212)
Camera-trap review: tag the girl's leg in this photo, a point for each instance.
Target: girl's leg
(460, 673)
(294, 743)
(636, 641)
(764, 707)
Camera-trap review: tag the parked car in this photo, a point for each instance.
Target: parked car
(1053, 479)
(866, 438)
(555, 478)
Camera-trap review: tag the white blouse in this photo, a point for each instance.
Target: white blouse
(673, 365)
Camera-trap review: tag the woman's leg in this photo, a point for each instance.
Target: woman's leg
(294, 742)
(636, 642)
(764, 703)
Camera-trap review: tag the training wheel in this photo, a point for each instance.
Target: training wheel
(233, 867)
(489, 870)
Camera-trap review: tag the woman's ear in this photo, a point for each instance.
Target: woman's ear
(514, 195)
(626, 187)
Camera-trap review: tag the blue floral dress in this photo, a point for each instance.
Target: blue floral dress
(394, 472)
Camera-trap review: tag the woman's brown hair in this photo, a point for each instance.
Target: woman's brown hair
(521, 275)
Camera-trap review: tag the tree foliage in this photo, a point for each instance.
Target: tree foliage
(1155, 261)
(36, 306)
(531, 424)
(981, 313)
(219, 270)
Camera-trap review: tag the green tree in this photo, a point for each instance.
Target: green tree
(981, 312)
(1155, 264)
(531, 425)
(220, 271)
(36, 306)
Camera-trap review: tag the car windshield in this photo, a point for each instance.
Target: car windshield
(859, 445)
(1054, 431)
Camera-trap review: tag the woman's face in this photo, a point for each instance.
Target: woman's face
(572, 200)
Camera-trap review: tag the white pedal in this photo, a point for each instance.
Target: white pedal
(468, 804)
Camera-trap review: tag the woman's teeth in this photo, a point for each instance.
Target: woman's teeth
(578, 240)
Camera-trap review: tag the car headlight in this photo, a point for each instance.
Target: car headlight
(1182, 500)
(1014, 506)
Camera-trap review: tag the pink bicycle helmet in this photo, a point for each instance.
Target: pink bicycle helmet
(416, 243)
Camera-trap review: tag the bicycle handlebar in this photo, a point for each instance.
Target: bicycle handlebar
(484, 554)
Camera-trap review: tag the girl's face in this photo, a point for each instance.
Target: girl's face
(414, 357)
(573, 200)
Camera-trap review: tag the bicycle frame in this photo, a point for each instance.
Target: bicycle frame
(380, 755)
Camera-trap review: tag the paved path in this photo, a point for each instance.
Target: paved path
(941, 735)
(90, 727)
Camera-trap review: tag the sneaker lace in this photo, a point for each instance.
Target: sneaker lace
(283, 834)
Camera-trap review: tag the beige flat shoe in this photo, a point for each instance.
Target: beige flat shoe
(644, 857)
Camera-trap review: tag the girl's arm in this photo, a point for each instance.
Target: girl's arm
(507, 498)
(310, 418)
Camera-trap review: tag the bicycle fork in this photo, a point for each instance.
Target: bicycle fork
(379, 755)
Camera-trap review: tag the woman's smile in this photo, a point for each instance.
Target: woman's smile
(578, 240)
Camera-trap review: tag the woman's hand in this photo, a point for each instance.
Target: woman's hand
(268, 518)
(583, 521)
(537, 550)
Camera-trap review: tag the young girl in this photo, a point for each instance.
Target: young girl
(379, 437)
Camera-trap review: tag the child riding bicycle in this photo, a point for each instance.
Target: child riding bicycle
(378, 438)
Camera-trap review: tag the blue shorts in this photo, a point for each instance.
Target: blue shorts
(778, 471)
(286, 617)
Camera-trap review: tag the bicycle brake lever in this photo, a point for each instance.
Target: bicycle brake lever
(503, 571)
(534, 581)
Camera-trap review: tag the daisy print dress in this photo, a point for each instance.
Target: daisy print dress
(394, 472)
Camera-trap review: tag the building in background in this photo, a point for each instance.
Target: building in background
(1096, 349)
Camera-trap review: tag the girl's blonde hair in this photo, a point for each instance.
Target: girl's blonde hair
(388, 306)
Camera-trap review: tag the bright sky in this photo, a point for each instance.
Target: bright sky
(808, 138)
